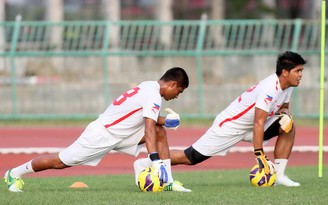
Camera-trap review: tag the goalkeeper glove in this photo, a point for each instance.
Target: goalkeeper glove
(286, 122)
(159, 167)
(264, 163)
(172, 120)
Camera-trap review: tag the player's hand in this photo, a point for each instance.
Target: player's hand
(286, 122)
(160, 170)
(172, 120)
(264, 163)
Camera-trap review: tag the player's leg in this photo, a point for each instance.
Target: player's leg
(284, 144)
(214, 142)
(88, 149)
(43, 162)
(13, 176)
(282, 151)
(179, 157)
(189, 156)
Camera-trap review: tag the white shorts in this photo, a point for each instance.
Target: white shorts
(218, 141)
(95, 142)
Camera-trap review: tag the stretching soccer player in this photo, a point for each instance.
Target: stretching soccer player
(131, 121)
(256, 116)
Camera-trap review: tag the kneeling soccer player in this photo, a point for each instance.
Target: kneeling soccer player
(257, 115)
(129, 121)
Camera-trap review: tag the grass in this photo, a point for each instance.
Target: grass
(209, 187)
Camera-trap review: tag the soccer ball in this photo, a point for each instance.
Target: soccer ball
(148, 182)
(261, 179)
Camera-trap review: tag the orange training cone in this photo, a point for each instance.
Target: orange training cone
(78, 185)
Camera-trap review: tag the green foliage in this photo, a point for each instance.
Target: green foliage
(208, 187)
(241, 9)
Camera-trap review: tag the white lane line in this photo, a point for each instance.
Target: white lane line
(40, 150)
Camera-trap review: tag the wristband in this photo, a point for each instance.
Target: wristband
(259, 152)
(154, 156)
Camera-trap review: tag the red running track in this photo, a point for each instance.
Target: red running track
(116, 163)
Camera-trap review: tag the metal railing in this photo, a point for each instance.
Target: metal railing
(75, 69)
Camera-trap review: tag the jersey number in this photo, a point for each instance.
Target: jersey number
(126, 95)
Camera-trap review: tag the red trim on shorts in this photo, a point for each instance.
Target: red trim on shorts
(122, 118)
(237, 116)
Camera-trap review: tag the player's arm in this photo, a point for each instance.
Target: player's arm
(258, 129)
(151, 145)
(150, 135)
(258, 134)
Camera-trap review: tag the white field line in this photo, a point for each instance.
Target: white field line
(40, 150)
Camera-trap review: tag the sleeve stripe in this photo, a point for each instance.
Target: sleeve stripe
(122, 118)
(237, 116)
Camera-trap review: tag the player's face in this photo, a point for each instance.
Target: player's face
(173, 91)
(294, 76)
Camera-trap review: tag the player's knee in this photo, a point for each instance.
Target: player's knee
(290, 134)
(57, 163)
(294, 127)
(194, 156)
(60, 166)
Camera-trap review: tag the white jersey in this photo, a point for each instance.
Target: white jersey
(119, 128)
(266, 95)
(235, 123)
(125, 116)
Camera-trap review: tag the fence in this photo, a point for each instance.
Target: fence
(75, 69)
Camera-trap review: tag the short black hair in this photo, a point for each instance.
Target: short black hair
(288, 60)
(176, 74)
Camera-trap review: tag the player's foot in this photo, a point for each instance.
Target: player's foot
(137, 169)
(284, 180)
(176, 186)
(14, 184)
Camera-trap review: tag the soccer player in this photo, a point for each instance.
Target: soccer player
(257, 115)
(129, 122)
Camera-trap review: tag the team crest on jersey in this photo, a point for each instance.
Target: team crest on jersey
(155, 108)
(268, 99)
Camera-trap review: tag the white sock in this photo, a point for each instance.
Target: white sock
(19, 171)
(167, 163)
(281, 166)
(139, 165)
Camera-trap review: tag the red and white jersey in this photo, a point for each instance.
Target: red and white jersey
(266, 95)
(126, 115)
